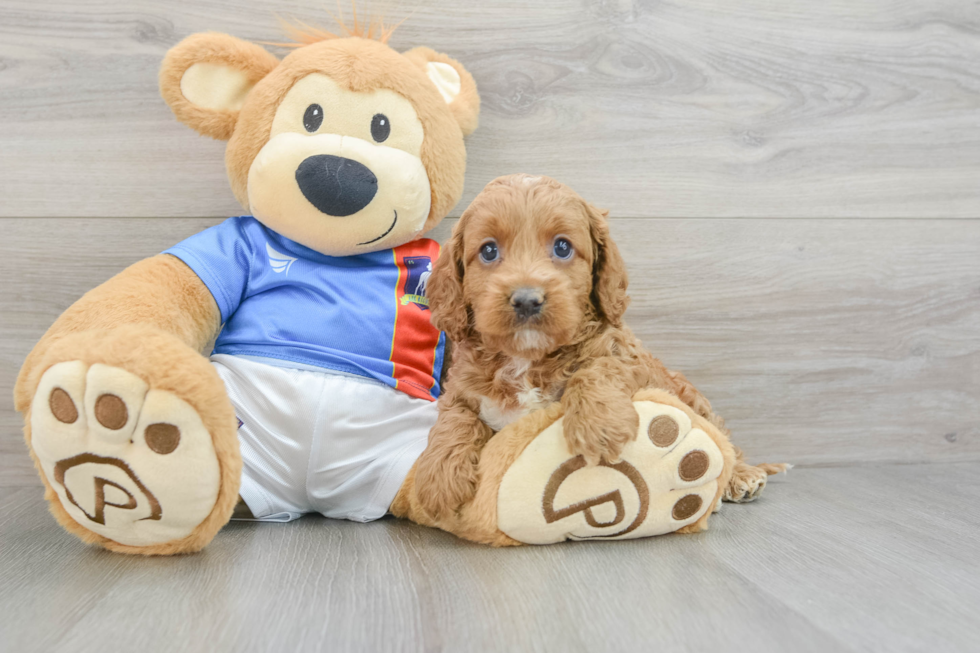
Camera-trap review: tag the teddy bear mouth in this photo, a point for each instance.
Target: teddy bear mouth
(374, 240)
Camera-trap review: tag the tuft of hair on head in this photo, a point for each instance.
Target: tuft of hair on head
(303, 34)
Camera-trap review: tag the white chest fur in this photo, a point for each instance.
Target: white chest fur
(529, 398)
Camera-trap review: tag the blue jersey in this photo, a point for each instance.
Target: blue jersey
(366, 314)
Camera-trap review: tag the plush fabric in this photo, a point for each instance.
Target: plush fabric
(480, 520)
(116, 394)
(652, 490)
(131, 428)
(174, 371)
(379, 67)
(238, 58)
(128, 447)
(314, 309)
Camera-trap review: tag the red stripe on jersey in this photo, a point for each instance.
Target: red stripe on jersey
(413, 345)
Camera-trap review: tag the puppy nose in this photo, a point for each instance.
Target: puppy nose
(335, 185)
(527, 302)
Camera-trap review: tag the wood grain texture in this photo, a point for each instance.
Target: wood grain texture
(821, 341)
(827, 560)
(680, 108)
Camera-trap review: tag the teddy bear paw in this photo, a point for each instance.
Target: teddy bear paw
(128, 462)
(666, 480)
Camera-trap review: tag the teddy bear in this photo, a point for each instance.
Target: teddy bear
(321, 369)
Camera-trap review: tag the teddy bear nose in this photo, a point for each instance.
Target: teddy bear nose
(335, 185)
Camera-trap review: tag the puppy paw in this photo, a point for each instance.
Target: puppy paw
(128, 462)
(599, 432)
(748, 481)
(666, 481)
(746, 485)
(443, 485)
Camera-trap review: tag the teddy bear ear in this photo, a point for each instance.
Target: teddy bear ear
(206, 77)
(454, 83)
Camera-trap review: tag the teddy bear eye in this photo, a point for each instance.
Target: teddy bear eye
(313, 117)
(380, 127)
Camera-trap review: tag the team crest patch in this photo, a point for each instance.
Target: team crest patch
(419, 269)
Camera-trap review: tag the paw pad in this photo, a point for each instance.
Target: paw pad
(667, 479)
(663, 431)
(162, 438)
(62, 407)
(686, 506)
(693, 465)
(111, 412)
(129, 462)
(99, 483)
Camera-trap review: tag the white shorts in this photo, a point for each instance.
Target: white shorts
(321, 441)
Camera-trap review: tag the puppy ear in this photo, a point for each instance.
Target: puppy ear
(609, 278)
(445, 289)
(454, 83)
(204, 80)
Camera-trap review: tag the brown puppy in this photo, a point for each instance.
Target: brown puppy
(532, 291)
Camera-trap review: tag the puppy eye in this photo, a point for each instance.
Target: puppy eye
(380, 127)
(489, 252)
(563, 249)
(313, 117)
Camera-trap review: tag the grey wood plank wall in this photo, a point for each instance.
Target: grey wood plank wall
(692, 108)
(823, 341)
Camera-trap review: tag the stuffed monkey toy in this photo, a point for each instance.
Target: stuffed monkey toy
(322, 384)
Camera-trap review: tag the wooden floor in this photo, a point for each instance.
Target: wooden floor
(844, 559)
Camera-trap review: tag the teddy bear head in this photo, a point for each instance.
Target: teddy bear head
(345, 145)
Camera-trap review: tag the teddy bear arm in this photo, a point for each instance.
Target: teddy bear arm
(159, 293)
(117, 395)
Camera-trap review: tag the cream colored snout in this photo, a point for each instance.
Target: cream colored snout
(338, 195)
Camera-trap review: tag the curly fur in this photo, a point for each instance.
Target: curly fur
(581, 354)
